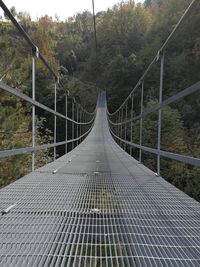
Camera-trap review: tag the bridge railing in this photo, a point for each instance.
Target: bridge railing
(81, 120)
(124, 115)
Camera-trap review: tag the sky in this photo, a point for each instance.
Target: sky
(62, 8)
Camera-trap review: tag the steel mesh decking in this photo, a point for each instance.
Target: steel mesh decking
(97, 207)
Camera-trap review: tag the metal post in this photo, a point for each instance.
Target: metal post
(86, 119)
(118, 128)
(121, 126)
(83, 127)
(72, 123)
(160, 111)
(77, 126)
(66, 130)
(55, 119)
(86, 126)
(113, 127)
(80, 127)
(131, 148)
(33, 112)
(141, 120)
(125, 130)
(94, 22)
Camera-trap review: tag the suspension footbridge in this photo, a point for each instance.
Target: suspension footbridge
(97, 205)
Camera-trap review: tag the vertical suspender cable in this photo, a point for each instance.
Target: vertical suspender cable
(95, 31)
(55, 119)
(131, 148)
(77, 126)
(66, 122)
(160, 111)
(141, 120)
(125, 130)
(80, 128)
(72, 122)
(33, 110)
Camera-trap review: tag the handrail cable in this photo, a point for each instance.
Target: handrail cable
(35, 49)
(80, 123)
(160, 51)
(119, 124)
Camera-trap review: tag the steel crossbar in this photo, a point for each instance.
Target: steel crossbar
(185, 159)
(35, 103)
(24, 150)
(186, 92)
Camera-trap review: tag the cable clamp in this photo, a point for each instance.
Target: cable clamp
(36, 52)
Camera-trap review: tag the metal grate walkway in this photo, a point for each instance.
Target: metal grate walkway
(96, 206)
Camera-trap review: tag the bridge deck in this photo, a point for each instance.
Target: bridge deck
(99, 208)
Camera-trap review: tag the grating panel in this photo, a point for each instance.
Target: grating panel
(97, 207)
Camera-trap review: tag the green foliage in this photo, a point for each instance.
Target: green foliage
(15, 116)
(173, 140)
(16, 124)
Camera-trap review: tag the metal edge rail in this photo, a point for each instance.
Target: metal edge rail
(17, 93)
(164, 46)
(170, 155)
(186, 92)
(24, 150)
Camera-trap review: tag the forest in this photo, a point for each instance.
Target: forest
(128, 38)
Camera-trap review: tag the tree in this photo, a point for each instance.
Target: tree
(147, 3)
